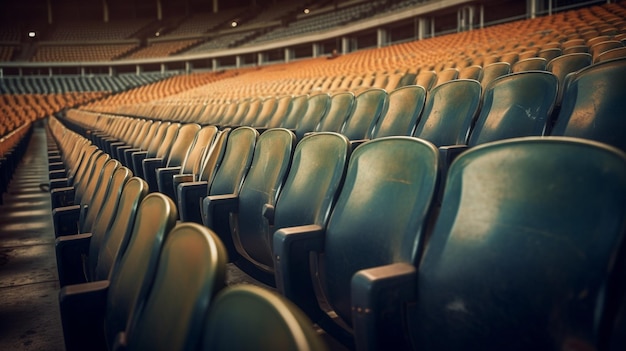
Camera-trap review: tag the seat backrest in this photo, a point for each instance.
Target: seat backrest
(163, 150)
(267, 111)
(213, 156)
(91, 206)
(317, 107)
(242, 316)
(593, 104)
(277, 118)
(380, 213)
(426, 79)
(524, 248)
(114, 242)
(518, 104)
(598, 48)
(619, 52)
(182, 143)
(529, 64)
(203, 140)
(229, 113)
(251, 115)
(242, 109)
(262, 184)
(191, 271)
(566, 64)
(446, 75)
(471, 72)
(493, 71)
(133, 275)
(403, 111)
(141, 134)
(235, 162)
(550, 53)
(368, 107)
(296, 112)
(157, 141)
(105, 216)
(449, 112)
(341, 106)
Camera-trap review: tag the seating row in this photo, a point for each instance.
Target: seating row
(135, 263)
(386, 197)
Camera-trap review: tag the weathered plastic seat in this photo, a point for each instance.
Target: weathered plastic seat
(402, 113)
(368, 107)
(378, 219)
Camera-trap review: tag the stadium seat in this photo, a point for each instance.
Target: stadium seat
(426, 79)
(84, 181)
(191, 271)
(241, 318)
(550, 53)
(296, 112)
(402, 112)
(142, 143)
(237, 217)
(598, 48)
(341, 106)
(173, 157)
(228, 178)
(94, 313)
(471, 72)
(493, 71)
(191, 163)
(267, 111)
(515, 105)
(148, 147)
(611, 54)
(79, 217)
(91, 256)
(378, 219)
(545, 251)
(529, 64)
(317, 107)
(593, 103)
(368, 107)
(449, 112)
(159, 148)
(446, 75)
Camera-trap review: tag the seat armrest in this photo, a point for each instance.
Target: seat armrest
(57, 173)
(150, 165)
(190, 197)
(449, 153)
(292, 247)
(71, 251)
(379, 296)
(56, 166)
(60, 197)
(137, 162)
(268, 213)
(65, 220)
(165, 180)
(216, 207)
(59, 183)
(83, 309)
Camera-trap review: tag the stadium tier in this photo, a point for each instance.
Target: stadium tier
(315, 175)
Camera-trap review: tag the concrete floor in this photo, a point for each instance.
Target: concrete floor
(29, 309)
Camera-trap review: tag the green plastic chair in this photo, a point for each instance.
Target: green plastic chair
(593, 104)
(403, 110)
(449, 112)
(92, 314)
(316, 108)
(527, 251)
(379, 219)
(368, 107)
(249, 318)
(191, 270)
(237, 217)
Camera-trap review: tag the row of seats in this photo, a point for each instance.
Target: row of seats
(396, 170)
(12, 148)
(81, 53)
(241, 202)
(137, 259)
(72, 83)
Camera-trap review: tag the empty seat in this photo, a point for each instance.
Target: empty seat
(191, 271)
(403, 110)
(471, 72)
(493, 71)
(449, 112)
(341, 106)
(446, 75)
(237, 217)
(92, 314)
(610, 54)
(241, 317)
(593, 104)
(426, 79)
(368, 106)
(378, 220)
(529, 64)
(316, 108)
(564, 235)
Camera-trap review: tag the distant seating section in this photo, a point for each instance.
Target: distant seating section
(388, 245)
(162, 48)
(81, 53)
(96, 30)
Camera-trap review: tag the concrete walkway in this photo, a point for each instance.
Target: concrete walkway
(29, 310)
